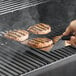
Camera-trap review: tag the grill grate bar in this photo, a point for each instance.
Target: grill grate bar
(21, 53)
(17, 47)
(36, 58)
(16, 61)
(48, 60)
(11, 71)
(10, 3)
(6, 73)
(15, 44)
(12, 67)
(44, 53)
(35, 55)
(28, 58)
(62, 53)
(9, 6)
(21, 60)
(37, 62)
(69, 50)
(2, 73)
(65, 51)
(56, 53)
(9, 48)
(9, 54)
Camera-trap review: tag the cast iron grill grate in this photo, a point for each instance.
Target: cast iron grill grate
(17, 59)
(13, 5)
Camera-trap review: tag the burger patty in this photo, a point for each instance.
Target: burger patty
(40, 29)
(18, 35)
(39, 42)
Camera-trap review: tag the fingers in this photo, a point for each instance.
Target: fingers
(71, 28)
(67, 31)
(73, 41)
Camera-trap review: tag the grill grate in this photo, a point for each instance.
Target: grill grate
(13, 5)
(15, 61)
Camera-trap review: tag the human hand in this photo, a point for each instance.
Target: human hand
(71, 29)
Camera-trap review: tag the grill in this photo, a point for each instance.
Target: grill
(17, 59)
(22, 59)
(13, 5)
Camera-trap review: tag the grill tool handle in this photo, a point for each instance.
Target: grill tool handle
(67, 37)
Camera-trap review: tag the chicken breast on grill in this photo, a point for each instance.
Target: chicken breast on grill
(40, 29)
(40, 42)
(18, 35)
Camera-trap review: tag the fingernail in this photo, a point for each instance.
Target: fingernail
(73, 37)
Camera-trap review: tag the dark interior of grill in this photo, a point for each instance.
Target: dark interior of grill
(22, 59)
(17, 59)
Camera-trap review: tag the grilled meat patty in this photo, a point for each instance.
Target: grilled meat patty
(40, 42)
(40, 29)
(18, 35)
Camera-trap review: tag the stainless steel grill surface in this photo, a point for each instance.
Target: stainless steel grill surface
(22, 59)
(13, 5)
(17, 59)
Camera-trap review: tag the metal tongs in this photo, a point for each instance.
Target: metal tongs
(60, 43)
(68, 36)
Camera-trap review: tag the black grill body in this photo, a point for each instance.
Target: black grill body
(17, 59)
(22, 60)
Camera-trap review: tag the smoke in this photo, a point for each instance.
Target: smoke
(19, 19)
(54, 13)
(28, 17)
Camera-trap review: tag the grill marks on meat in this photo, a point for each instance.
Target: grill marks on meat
(44, 25)
(40, 42)
(22, 32)
(41, 26)
(40, 29)
(18, 35)
(15, 33)
(11, 36)
(22, 35)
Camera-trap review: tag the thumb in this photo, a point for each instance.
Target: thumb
(67, 31)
